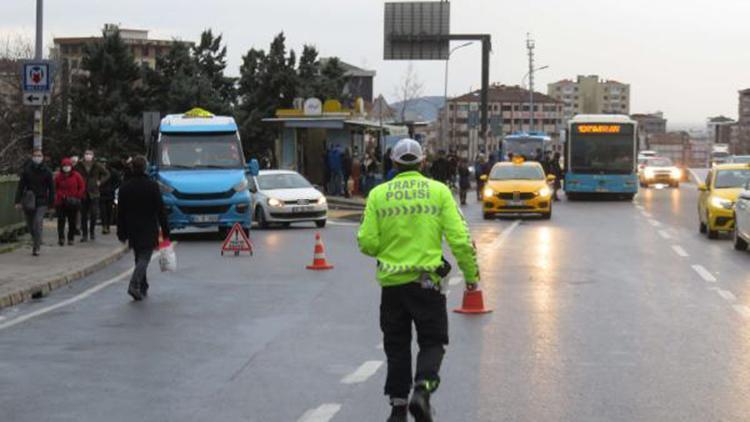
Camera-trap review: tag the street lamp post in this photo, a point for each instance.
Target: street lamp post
(531, 95)
(444, 126)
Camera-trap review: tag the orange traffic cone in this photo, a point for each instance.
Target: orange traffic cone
(473, 303)
(319, 260)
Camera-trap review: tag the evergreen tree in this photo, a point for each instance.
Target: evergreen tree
(308, 72)
(211, 60)
(106, 104)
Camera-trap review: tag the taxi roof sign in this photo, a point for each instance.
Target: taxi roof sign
(517, 159)
(198, 112)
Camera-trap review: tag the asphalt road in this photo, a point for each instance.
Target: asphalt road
(611, 311)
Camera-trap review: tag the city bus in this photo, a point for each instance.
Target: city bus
(601, 153)
(526, 144)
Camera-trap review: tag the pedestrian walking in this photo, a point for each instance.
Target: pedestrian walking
(36, 192)
(439, 169)
(411, 272)
(94, 174)
(556, 170)
(107, 200)
(140, 216)
(480, 169)
(69, 192)
(464, 181)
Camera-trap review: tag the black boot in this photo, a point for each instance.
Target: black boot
(61, 241)
(135, 293)
(398, 414)
(419, 406)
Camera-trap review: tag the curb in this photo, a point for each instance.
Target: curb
(44, 287)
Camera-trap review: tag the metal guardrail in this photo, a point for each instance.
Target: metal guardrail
(11, 220)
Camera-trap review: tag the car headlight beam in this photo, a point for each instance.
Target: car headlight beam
(718, 202)
(488, 192)
(676, 173)
(275, 202)
(545, 191)
(322, 200)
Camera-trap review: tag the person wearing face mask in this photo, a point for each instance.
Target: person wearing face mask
(94, 174)
(34, 194)
(69, 191)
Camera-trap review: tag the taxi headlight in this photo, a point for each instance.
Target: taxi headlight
(676, 173)
(717, 202)
(545, 191)
(275, 202)
(488, 192)
(164, 188)
(649, 173)
(239, 187)
(322, 200)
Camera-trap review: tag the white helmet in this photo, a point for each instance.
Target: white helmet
(407, 151)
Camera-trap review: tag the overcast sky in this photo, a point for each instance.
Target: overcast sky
(687, 58)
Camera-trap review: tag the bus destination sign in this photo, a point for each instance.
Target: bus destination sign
(594, 128)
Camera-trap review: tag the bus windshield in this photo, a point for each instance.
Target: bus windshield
(523, 146)
(602, 153)
(200, 150)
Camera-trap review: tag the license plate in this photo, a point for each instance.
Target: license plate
(302, 209)
(205, 218)
(516, 203)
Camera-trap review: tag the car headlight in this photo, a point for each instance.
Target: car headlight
(488, 192)
(275, 202)
(164, 188)
(239, 187)
(322, 200)
(649, 173)
(545, 191)
(721, 203)
(676, 173)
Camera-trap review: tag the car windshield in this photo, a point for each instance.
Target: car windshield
(659, 162)
(727, 179)
(204, 150)
(602, 153)
(527, 147)
(741, 159)
(517, 173)
(282, 181)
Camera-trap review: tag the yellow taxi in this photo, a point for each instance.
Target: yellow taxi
(718, 195)
(518, 187)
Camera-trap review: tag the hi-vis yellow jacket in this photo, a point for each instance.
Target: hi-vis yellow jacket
(403, 227)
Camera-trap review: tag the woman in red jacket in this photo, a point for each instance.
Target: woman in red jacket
(69, 190)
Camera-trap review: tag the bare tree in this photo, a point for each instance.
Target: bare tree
(410, 89)
(15, 119)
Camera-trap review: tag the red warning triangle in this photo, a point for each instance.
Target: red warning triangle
(237, 241)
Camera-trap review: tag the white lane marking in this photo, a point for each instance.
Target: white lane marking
(500, 239)
(343, 223)
(2, 318)
(454, 281)
(705, 275)
(322, 413)
(727, 295)
(361, 374)
(664, 234)
(680, 251)
(742, 310)
(640, 207)
(72, 300)
(647, 214)
(654, 222)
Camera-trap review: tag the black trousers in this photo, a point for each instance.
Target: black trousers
(107, 212)
(139, 280)
(400, 307)
(66, 213)
(89, 215)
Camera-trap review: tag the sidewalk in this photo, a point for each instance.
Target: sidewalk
(23, 276)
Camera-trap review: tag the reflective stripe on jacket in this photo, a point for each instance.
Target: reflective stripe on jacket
(403, 227)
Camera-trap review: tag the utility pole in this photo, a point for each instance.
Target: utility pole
(530, 47)
(39, 113)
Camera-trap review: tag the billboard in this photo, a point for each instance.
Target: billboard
(417, 30)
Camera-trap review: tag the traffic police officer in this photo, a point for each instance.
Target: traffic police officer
(403, 227)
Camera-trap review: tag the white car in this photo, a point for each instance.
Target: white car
(659, 170)
(742, 220)
(283, 196)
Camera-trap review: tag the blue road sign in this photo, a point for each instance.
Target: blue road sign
(37, 77)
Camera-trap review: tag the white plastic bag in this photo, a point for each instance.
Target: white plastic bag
(167, 258)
